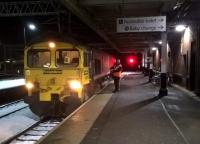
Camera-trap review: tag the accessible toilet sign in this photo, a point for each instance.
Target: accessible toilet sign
(141, 24)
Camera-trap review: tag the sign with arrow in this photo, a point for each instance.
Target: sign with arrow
(141, 24)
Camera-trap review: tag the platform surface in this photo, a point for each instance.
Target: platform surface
(10, 83)
(133, 116)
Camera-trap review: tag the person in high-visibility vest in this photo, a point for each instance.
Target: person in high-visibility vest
(116, 71)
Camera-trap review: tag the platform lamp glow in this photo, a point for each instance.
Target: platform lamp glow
(31, 27)
(154, 48)
(180, 28)
(160, 42)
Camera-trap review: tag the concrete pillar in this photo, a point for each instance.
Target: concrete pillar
(145, 63)
(163, 86)
(197, 63)
(143, 59)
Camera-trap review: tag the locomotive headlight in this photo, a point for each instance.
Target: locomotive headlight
(29, 85)
(74, 84)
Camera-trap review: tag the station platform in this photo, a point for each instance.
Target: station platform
(11, 83)
(134, 115)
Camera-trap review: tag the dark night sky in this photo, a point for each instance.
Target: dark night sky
(11, 30)
(12, 33)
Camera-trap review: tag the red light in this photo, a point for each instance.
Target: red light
(131, 60)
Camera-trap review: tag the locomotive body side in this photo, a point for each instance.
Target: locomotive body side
(102, 62)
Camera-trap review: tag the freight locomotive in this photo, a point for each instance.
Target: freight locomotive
(60, 75)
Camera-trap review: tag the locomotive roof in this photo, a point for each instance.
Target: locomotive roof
(55, 37)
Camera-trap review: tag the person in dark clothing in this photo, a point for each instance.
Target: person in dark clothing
(116, 71)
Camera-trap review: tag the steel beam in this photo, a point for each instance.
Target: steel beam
(111, 2)
(72, 6)
(29, 8)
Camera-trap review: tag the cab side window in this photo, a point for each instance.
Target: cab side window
(86, 60)
(67, 57)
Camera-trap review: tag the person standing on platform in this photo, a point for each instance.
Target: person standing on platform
(116, 71)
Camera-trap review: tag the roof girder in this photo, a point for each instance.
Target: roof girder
(106, 2)
(83, 15)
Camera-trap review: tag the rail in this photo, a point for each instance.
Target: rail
(35, 132)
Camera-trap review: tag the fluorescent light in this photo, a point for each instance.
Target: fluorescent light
(7, 61)
(180, 28)
(160, 42)
(175, 7)
(154, 48)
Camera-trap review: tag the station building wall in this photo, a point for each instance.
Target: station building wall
(185, 59)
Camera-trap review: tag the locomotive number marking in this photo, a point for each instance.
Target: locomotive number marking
(52, 71)
(85, 72)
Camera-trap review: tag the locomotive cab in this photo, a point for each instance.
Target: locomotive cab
(56, 77)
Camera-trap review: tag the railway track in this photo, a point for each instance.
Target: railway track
(34, 133)
(12, 107)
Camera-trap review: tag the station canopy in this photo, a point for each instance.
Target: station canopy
(96, 21)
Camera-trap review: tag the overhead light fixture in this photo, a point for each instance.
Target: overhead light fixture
(154, 48)
(160, 42)
(8, 61)
(180, 28)
(32, 26)
(175, 7)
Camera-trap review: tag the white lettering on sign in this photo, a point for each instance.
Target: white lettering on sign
(142, 24)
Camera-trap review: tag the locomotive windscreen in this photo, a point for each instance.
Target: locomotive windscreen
(38, 58)
(65, 58)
